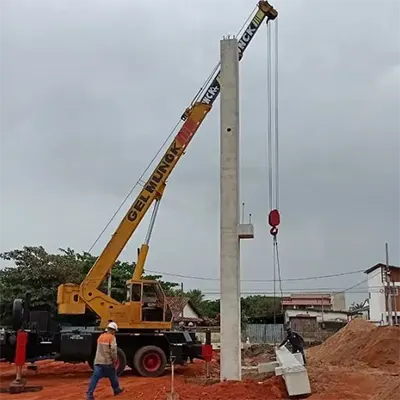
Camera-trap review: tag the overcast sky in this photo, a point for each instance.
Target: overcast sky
(90, 90)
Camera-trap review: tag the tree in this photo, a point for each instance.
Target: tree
(259, 306)
(197, 297)
(210, 308)
(356, 306)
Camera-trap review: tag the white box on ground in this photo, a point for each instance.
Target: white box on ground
(293, 371)
(264, 368)
(299, 358)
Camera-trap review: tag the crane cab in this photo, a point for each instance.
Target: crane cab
(153, 304)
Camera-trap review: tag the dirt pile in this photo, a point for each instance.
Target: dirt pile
(390, 392)
(361, 341)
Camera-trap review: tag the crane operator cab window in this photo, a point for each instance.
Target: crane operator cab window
(151, 297)
(135, 292)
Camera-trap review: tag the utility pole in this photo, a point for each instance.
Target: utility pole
(230, 213)
(388, 288)
(396, 319)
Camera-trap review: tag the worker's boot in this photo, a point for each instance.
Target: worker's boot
(119, 391)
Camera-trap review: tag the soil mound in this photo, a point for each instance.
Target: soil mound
(390, 392)
(361, 341)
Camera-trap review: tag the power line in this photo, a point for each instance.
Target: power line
(363, 281)
(350, 289)
(271, 293)
(256, 280)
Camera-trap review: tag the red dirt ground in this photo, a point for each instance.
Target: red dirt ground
(360, 362)
(69, 382)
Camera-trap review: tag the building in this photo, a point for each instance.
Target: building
(320, 301)
(183, 309)
(377, 289)
(316, 324)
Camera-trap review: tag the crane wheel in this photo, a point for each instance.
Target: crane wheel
(150, 361)
(121, 361)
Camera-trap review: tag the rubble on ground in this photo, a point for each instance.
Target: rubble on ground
(257, 353)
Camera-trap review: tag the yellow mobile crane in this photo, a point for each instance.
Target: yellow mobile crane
(145, 338)
(73, 299)
(133, 314)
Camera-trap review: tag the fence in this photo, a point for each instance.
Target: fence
(263, 333)
(270, 333)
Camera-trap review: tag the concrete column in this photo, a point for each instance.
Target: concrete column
(230, 255)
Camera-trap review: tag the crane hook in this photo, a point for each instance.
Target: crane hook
(274, 220)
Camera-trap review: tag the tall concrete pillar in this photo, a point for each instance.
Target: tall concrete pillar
(229, 245)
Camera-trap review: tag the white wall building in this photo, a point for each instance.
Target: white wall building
(376, 290)
(321, 316)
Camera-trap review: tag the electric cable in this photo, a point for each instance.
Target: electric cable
(255, 280)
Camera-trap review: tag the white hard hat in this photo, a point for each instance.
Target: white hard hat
(113, 325)
(191, 324)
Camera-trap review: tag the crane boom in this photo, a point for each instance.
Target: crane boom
(265, 10)
(153, 188)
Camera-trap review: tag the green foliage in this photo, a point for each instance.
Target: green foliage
(356, 306)
(259, 306)
(210, 308)
(197, 298)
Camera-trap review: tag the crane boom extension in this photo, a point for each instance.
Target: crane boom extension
(153, 188)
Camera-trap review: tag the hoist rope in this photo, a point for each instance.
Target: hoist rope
(273, 160)
(269, 100)
(276, 117)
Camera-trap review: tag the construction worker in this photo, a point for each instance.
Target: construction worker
(191, 329)
(105, 360)
(296, 341)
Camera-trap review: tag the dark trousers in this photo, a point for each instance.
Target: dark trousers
(103, 371)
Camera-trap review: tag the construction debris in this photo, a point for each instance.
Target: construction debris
(257, 353)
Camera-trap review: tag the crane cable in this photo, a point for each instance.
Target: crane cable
(140, 180)
(273, 159)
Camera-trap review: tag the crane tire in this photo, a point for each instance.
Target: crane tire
(121, 361)
(150, 361)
